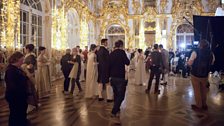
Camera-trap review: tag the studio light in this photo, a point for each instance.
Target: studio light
(183, 45)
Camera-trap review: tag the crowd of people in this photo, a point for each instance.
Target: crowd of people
(28, 77)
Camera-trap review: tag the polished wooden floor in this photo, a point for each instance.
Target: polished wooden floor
(170, 108)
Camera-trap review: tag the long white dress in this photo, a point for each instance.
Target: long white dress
(91, 76)
(139, 74)
(43, 76)
(82, 77)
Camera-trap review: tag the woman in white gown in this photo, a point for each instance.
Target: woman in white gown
(43, 74)
(139, 74)
(91, 73)
(82, 77)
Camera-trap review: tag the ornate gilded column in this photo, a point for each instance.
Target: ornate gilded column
(1, 22)
(10, 32)
(59, 31)
(84, 31)
(158, 30)
(142, 34)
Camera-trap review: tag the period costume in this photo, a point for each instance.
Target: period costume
(43, 76)
(103, 66)
(91, 77)
(29, 67)
(85, 53)
(82, 75)
(140, 70)
(75, 73)
(30, 58)
(103, 73)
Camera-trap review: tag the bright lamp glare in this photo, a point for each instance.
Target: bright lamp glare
(163, 32)
(219, 12)
(183, 45)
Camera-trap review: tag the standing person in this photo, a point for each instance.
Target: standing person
(128, 54)
(165, 69)
(66, 68)
(85, 53)
(147, 52)
(43, 74)
(171, 60)
(200, 62)
(16, 90)
(103, 71)
(139, 74)
(82, 75)
(30, 59)
(2, 64)
(76, 70)
(29, 66)
(156, 65)
(118, 60)
(181, 65)
(78, 48)
(91, 77)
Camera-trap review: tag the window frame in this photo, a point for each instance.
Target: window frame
(39, 26)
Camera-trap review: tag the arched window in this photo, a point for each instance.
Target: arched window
(73, 28)
(115, 32)
(185, 36)
(31, 22)
(91, 5)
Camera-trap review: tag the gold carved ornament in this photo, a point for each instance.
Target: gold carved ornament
(59, 29)
(10, 34)
(115, 12)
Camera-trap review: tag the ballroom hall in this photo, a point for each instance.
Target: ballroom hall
(183, 90)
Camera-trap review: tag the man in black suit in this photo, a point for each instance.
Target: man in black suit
(118, 60)
(66, 68)
(103, 71)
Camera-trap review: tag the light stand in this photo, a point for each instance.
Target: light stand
(193, 28)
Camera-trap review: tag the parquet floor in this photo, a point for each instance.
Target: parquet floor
(170, 108)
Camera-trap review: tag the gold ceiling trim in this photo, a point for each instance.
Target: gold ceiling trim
(81, 8)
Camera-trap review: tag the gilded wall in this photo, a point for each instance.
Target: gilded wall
(144, 22)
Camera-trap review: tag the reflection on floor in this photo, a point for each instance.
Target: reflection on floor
(170, 108)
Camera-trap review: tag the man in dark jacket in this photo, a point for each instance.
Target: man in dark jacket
(66, 68)
(118, 60)
(157, 64)
(103, 71)
(16, 90)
